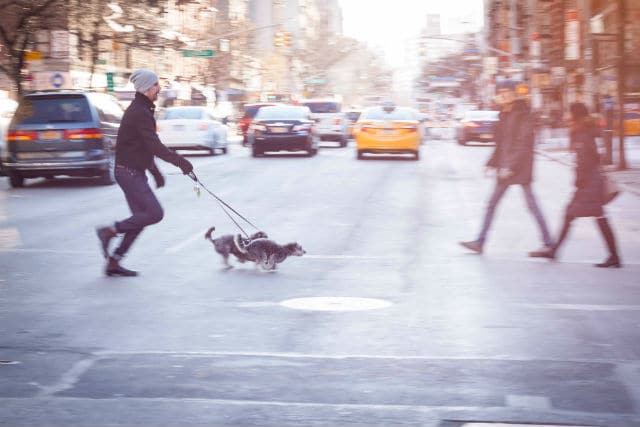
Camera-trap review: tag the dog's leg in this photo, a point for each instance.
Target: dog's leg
(225, 261)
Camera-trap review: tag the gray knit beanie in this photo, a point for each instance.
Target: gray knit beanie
(143, 79)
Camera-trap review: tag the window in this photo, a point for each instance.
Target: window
(53, 109)
(323, 107)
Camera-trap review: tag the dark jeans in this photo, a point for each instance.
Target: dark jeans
(498, 192)
(144, 206)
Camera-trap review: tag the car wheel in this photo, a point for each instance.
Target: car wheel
(416, 155)
(108, 177)
(255, 152)
(16, 180)
(462, 142)
(360, 155)
(224, 150)
(343, 142)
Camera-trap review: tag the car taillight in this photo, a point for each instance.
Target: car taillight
(83, 134)
(203, 126)
(471, 125)
(21, 135)
(365, 128)
(410, 128)
(337, 121)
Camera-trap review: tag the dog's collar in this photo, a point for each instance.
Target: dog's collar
(237, 240)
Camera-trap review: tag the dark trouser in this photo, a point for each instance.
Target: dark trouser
(498, 192)
(144, 206)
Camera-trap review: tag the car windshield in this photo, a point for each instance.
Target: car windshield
(290, 113)
(380, 113)
(181, 113)
(323, 107)
(52, 109)
(252, 110)
(481, 115)
(353, 115)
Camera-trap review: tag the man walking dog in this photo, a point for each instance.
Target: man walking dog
(136, 146)
(512, 160)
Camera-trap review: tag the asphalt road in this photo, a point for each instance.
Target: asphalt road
(385, 321)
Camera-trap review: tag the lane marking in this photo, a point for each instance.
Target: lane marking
(529, 402)
(177, 247)
(335, 304)
(494, 358)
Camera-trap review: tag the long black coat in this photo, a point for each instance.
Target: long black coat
(588, 197)
(514, 144)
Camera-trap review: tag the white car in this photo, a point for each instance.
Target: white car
(191, 128)
(7, 108)
(331, 123)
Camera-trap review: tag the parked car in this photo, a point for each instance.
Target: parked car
(388, 129)
(7, 108)
(191, 128)
(282, 128)
(477, 126)
(70, 133)
(250, 111)
(331, 122)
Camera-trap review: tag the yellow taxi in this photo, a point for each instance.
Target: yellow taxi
(631, 123)
(388, 129)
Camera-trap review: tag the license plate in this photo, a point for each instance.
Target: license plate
(486, 135)
(50, 134)
(389, 132)
(279, 130)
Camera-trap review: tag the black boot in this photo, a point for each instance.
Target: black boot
(105, 234)
(115, 269)
(607, 233)
(613, 261)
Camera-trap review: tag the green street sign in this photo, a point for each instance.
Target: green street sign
(110, 82)
(198, 53)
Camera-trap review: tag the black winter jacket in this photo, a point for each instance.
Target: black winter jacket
(515, 143)
(138, 142)
(589, 195)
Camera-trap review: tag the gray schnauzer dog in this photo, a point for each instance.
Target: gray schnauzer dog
(267, 253)
(229, 244)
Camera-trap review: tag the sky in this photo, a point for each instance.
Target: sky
(387, 24)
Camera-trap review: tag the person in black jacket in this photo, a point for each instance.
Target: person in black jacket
(588, 198)
(512, 160)
(136, 146)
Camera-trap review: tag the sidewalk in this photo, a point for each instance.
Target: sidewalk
(554, 143)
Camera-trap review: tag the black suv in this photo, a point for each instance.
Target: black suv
(69, 133)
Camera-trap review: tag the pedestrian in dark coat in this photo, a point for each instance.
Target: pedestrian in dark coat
(512, 160)
(588, 198)
(136, 146)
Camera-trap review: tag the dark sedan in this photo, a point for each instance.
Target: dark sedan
(282, 128)
(477, 126)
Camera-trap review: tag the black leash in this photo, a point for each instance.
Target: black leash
(222, 204)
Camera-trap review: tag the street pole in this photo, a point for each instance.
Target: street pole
(621, 83)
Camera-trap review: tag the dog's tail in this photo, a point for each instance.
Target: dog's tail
(207, 235)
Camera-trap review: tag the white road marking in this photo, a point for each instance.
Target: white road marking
(175, 248)
(335, 304)
(530, 402)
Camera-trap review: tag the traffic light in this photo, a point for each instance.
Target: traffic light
(278, 38)
(287, 38)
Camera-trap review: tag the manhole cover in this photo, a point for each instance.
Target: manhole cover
(335, 303)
